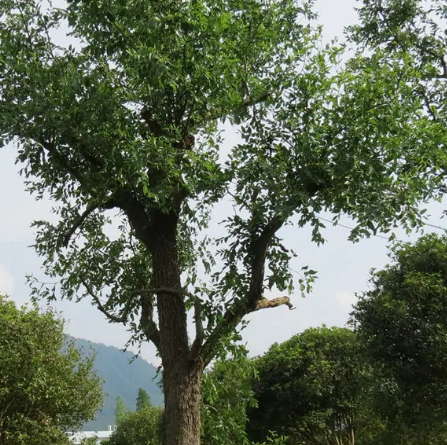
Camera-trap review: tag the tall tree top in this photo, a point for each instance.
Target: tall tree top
(143, 400)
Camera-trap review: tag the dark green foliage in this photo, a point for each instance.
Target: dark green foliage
(402, 322)
(412, 32)
(314, 388)
(44, 389)
(121, 378)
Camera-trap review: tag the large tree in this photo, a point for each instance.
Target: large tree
(46, 386)
(402, 321)
(124, 118)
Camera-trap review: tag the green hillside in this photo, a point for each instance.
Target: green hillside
(121, 379)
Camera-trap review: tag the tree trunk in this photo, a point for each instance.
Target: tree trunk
(181, 374)
(182, 405)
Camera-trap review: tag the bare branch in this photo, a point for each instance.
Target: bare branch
(110, 316)
(79, 220)
(264, 303)
(429, 108)
(147, 319)
(444, 68)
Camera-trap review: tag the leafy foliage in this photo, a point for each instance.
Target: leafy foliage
(315, 388)
(412, 32)
(139, 428)
(90, 441)
(226, 395)
(44, 391)
(402, 322)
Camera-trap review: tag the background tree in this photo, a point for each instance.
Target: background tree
(125, 123)
(143, 400)
(141, 427)
(120, 410)
(46, 385)
(315, 388)
(402, 322)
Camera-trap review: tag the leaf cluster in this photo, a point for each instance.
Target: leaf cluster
(46, 386)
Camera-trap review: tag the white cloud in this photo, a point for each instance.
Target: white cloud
(345, 300)
(6, 281)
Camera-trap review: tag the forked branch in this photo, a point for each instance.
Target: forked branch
(254, 300)
(198, 341)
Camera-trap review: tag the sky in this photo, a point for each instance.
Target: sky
(343, 267)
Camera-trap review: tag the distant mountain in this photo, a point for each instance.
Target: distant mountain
(121, 379)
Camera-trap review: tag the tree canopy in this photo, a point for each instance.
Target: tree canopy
(402, 322)
(413, 32)
(120, 122)
(142, 427)
(46, 385)
(315, 388)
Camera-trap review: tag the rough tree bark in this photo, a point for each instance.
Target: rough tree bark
(181, 372)
(182, 385)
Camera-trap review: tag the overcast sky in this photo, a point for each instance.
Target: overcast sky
(343, 268)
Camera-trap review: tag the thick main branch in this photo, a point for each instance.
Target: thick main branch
(254, 300)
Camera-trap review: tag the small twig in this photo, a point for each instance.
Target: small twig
(113, 317)
(79, 220)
